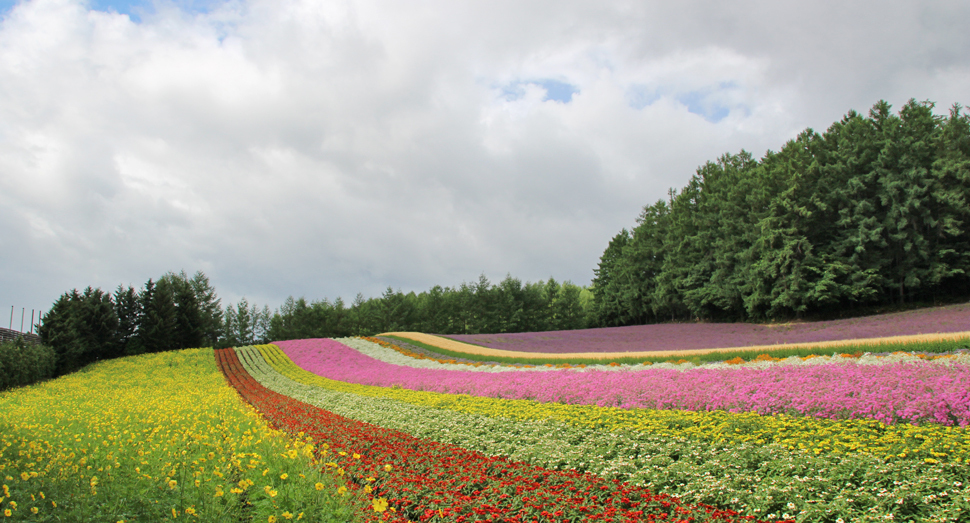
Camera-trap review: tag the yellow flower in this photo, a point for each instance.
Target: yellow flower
(319, 486)
(190, 511)
(24, 476)
(284, 475)
(172, 484)
(287, 515)
(379, 504)
(342, 490)
(356, 455)
(34, 510)
(387, 468)
(7, 513)
(367, 489)
(174, 514)
(219, 493)
(271, 519)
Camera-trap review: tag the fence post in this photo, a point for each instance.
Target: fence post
(22, 312)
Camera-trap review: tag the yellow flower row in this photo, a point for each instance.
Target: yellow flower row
(151, 437)
(797, 433)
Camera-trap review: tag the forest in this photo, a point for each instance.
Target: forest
(873, 211)
(177, 311)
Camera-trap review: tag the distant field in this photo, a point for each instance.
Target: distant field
(699, 336)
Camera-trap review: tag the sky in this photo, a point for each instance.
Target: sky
(323, 148)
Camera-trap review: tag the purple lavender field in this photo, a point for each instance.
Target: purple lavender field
(686, 336)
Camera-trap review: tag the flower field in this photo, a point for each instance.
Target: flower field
(699, 336)
(888, 392)
(153, 438)
(360, 430)
(427, 480)
(768, 467)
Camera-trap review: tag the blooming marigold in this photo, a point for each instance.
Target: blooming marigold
(379, 504)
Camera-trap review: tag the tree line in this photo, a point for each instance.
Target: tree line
(872, 211)
(177, 312)
(174, 312)
(470, 308)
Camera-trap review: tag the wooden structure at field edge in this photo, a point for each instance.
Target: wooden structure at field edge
(8, 335)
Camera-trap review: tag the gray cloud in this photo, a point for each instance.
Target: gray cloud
(323, 148)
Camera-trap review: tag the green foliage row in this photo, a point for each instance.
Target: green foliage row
(23, 363)
(875, 210)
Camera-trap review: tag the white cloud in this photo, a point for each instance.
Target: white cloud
(322, 148)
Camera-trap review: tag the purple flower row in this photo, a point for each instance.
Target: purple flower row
(908, 392)
(682, 336)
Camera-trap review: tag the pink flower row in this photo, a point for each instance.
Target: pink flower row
(906, 392)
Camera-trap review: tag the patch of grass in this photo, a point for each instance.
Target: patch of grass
(925, 346)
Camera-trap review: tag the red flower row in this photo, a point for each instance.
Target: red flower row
(426, 480)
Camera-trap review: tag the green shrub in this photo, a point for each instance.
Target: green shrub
(23, 363)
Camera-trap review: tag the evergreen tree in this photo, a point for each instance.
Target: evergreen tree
(210, 308)
(156, 330)
(128, 310)
(81, 328)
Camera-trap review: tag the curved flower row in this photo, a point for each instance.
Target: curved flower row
(389, 353)
(893, 393)
(931, 323)
(425, 480)
(749, 463)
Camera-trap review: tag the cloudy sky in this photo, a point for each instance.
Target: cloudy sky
(322, 148)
